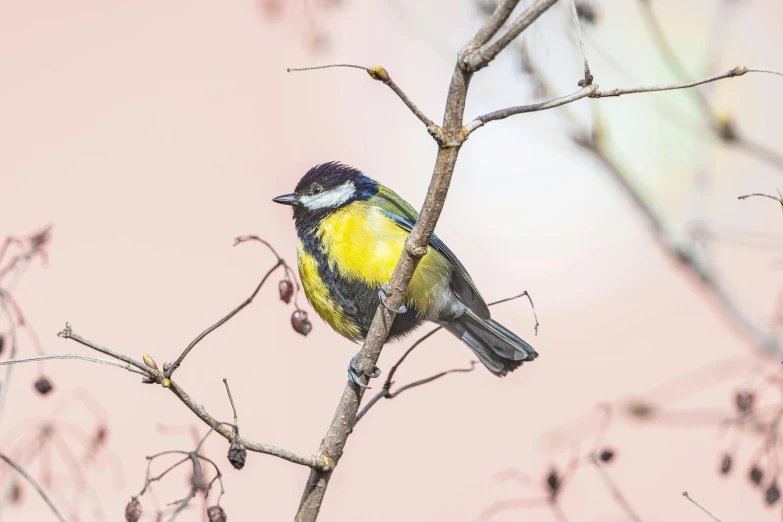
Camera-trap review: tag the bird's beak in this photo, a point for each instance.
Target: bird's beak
(288, 199)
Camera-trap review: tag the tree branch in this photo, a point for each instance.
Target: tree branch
(78, 356)
(33, 483)
(382, 75)
(616, 493)
(154, 375)
(472, 61)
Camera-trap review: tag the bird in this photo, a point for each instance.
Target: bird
(351, 232)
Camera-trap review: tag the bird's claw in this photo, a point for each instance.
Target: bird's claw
(353, 368)
(382, 298)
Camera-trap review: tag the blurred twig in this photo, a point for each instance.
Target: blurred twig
(33, 483)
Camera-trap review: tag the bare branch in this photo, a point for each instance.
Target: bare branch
(472, 61)
(78, 356)
(746, 196)
(584, 92)
(737, 71)
(234, 408)
(616, 493)
(686, 495)
(492, 25)
(33, 483)
(315, 462)
(382, 75)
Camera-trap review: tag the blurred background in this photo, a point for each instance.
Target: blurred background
(150, 134)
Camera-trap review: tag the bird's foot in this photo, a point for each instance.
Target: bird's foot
(382, 297)
(353, 368)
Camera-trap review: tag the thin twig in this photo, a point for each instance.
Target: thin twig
(234, 408)
(170, 370)
(78, 356)
(616, 493)
(746, 196)
(588, 77)
(382, 75)
(315, 462)
(686, 495)
(33, 483)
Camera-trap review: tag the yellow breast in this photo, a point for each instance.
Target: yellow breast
(362, 244)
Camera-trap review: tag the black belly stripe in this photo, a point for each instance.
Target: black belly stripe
(357, 299)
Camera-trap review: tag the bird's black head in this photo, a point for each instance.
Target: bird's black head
(324, 189)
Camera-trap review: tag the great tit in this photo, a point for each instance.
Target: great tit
(352, 231)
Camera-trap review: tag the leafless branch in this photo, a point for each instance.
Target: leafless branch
(157, 376)
(686, 495)
(382, 75)
(33, 483)
(78, 356)
(472, 61)
(612, 486)
(737, 71)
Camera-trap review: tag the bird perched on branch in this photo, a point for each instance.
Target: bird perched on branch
(352, 231)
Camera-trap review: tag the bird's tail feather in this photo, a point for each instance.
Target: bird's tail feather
(499, 349)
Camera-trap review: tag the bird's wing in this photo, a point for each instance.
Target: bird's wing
(405, 216)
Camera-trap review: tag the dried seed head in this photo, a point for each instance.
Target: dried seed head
(725, 464)
(606, 455)
(756, 475)
(286, 288)
(216, 514)
(237, 454)
(772, 495)
(744, 401)
(43, 386)
(133, 510)
(300, 322)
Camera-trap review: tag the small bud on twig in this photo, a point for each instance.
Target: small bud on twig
(43, 386)
(237, 454)
(149, 361)
(216, 514)
(380, 74)
(300, 322)
(553, 482)
(133, 510)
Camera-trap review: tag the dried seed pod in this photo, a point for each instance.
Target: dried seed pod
(756, 475)
(744, 401)
(725, 464)
(43, 386)
(772, 495)
(133, 510)
(553, 482)
(300, 322)
(2, 343)
(286, 288)
(606, 455)
(237, 454)
(216, 514)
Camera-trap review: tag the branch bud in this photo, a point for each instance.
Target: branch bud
(149, 361)
(380, 74)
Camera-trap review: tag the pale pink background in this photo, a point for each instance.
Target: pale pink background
(152, 133)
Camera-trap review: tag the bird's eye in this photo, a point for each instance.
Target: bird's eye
(316, 189)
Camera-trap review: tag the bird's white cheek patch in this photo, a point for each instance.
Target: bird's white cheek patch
(330, 198)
